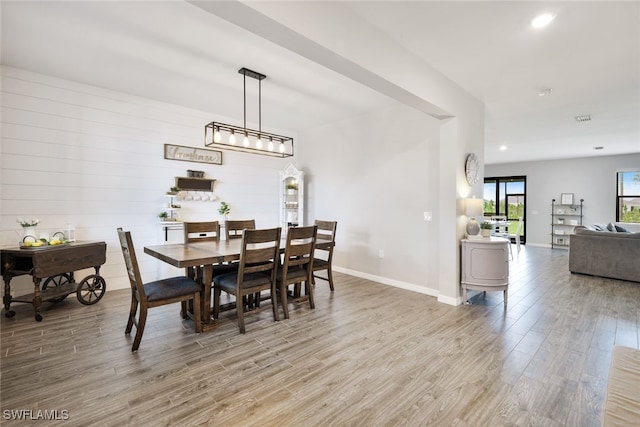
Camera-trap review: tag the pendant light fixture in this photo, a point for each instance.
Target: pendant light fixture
(225, 136)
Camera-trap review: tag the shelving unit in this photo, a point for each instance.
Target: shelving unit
(172, 208)
(564, 218)
(291, 197)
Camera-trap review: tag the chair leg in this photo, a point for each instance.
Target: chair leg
(240, 314)
(274, 302)
(283, 299)
(309, 290)
(330, 277)
(132, 313)
(142, 320)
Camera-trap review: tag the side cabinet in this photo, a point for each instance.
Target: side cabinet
(485, 265)
(291, 198)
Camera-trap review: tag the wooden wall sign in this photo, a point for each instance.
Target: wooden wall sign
(191, 154)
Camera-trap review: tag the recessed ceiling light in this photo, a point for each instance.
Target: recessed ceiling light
(542, 20)
(583, 118)
(545, 92)
(503, 148)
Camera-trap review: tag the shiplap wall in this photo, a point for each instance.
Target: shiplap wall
(72, 153)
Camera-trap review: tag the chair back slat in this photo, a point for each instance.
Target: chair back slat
(300, 248)
(234, 228)
(204, 231)
(131, 262)
(326, 237)
(260, 249)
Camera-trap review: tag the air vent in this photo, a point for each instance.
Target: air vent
(599, 147)
(584, 118)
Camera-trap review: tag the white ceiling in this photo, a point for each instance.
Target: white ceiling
(176, 52)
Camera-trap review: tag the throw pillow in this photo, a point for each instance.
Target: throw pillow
(599, 227)
(611, 227)
(621, 229)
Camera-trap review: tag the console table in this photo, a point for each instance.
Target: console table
(485, 265)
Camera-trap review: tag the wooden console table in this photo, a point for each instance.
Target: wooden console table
(56, 264)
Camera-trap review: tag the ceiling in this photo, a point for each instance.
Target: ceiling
(179, 53)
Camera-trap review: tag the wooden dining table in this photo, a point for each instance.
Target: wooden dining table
(203, 256)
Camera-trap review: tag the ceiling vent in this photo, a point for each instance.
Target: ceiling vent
(584, 118)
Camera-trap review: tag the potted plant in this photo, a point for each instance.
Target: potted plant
(292, 187)
(560, 220)
(486, 228)
(173, 191)
(163, 216)
(224, 209)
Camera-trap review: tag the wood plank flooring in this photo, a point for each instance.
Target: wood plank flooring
(368, 355)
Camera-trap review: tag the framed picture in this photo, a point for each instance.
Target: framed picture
(566, 198)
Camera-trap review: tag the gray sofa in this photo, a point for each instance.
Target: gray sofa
(605, 253)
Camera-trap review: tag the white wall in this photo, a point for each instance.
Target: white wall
(378, 176)
(72, 153)
(592, 179)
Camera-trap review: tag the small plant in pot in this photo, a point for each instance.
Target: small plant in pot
(163, 216)
(173, 191)
(224, 209)
(486, 228)
(292, 187)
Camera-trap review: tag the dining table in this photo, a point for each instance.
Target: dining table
(203, 256)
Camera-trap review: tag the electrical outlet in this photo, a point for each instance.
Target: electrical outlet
(428, 216)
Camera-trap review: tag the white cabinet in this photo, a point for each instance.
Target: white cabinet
(291, 197)
(485, 265)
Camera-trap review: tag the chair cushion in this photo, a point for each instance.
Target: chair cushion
(227, 282)
(170, 288)
(293, 273)
(220, 269)
(320, 264)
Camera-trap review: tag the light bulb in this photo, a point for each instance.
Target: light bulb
(282, 146)
(232, 138)
(216, 135)
(270, 144)
(543, 20)
(259, 143)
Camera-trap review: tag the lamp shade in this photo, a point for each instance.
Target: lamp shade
(474, 207)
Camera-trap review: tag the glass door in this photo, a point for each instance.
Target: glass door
(506, 196)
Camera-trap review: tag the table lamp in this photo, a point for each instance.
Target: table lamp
(473, 208)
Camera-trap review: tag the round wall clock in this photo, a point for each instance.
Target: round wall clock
(471, 168)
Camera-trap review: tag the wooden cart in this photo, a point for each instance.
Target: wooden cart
(55, 265)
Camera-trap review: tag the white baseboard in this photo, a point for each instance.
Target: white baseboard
(391, 282)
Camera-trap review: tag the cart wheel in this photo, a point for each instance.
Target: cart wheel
(91, 289)
(54, 282)
(10, 313)
(38, 317)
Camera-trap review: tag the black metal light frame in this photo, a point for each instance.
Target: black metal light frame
(281, 146)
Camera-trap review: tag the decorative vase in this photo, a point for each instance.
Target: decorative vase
(29, 231)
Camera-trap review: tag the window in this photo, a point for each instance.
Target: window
(628, 197)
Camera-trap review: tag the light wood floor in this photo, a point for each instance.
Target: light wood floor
(368, 355)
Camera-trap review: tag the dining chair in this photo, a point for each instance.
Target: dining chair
(297, 266)
(204, 231)
(153, 294)
(504, 233)
(259, 258)
(234, 228)
(325, 242)
(516, 236)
